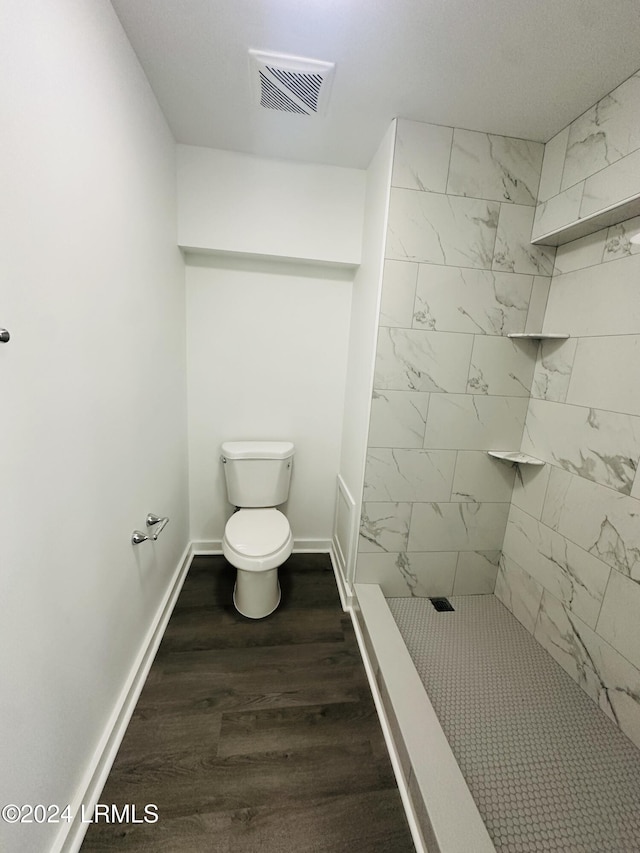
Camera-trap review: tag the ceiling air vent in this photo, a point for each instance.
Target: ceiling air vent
(291, 84)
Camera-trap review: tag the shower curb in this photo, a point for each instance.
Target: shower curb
(440, 800)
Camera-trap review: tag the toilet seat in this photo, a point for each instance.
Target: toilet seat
(257, 539)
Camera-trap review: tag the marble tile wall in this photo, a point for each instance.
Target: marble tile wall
(592, 164)
(559, 544)
(460, 274)
(570, 567)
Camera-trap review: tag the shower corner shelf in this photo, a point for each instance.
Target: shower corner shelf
(537, 336)
(515, 456)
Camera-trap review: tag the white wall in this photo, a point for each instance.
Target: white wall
(231, 202)
(93, 426)
(267, 350)
(362, 337)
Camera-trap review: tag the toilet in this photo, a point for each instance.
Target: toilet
(257, 538)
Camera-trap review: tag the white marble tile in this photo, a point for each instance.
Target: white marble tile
(479, 478)
(475, 422)
(402, 574)
(553, 370)
(501, 366)
(476, 572)
(530, 488)
(557, 211)
(617, 242)
(603, 522)
(592, 443)
(604, 133)
(578, 254)
(537, 304)
(408, 475)
(518, 592)
(457, 526)
(514, 251)
(573, 576)
(421, 157)
(398, 293)
(558, 485)
(605, 375)
(619, 622)
(441, 229)
(398, 418)
(612, 185)
(413, 360)
(600, 670)
(553, 165)
(564, 636)
(458, 299)
(600, 300)
(384, 527)
(495, 167)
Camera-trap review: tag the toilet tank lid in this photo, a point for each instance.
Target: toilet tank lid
(257, 449)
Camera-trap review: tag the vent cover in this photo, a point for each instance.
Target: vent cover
(291, 84)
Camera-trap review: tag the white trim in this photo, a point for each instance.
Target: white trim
(346, 561)
(300, 546)
(71, 835)
(312, 546)
(337, 561)
(213, 546)
(403, 786)
(344, 590)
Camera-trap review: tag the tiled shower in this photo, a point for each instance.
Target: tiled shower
(559, 544)
(449, 385)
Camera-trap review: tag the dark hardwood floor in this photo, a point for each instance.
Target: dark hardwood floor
(256, 736)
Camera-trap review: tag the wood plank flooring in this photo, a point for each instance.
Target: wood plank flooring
(256, 736)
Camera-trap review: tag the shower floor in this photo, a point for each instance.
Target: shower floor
(546, 767)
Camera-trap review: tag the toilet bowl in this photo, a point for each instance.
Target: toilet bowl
(257, 542)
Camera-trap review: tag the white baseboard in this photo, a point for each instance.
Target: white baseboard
(300, 546)
(208, 547)
(311, 546)
(71, 835)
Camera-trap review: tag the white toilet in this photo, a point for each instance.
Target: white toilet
(257, 538)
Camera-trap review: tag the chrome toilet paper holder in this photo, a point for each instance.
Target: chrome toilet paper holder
(153, 520)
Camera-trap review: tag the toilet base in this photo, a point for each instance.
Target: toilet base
(256, 594)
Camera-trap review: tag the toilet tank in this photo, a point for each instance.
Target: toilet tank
(258, 473)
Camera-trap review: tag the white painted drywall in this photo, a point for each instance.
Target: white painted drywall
(364, 319)
(93, 426)
(231, 202)
(267, 351)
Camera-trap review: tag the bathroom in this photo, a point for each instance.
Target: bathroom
(118, 391)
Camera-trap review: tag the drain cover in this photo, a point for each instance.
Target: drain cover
(441, 604)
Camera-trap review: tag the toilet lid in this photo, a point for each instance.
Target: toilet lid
(257, 532)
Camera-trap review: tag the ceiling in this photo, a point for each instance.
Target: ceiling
(521, 68)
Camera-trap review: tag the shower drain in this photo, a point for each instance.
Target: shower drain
(441, 604)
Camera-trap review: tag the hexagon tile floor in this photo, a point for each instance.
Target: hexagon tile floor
(547, 768)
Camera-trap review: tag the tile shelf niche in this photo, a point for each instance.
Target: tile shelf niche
(605, 218)
(515, 456)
